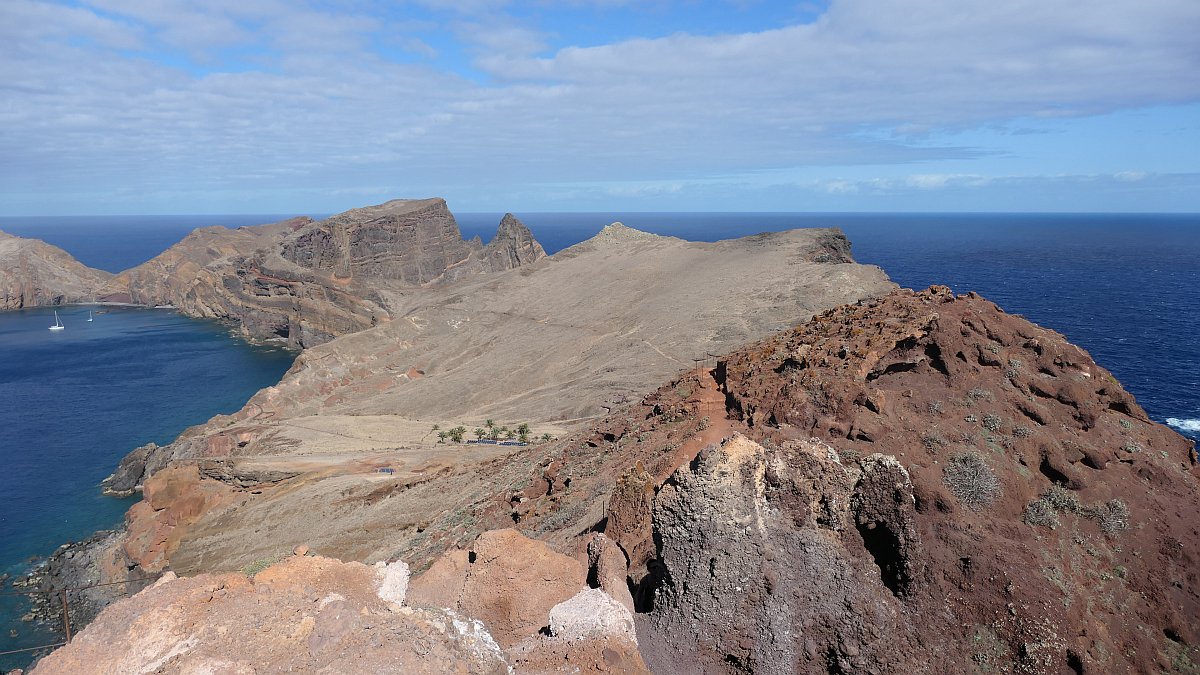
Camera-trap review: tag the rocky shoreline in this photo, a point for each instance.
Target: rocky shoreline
(84, 572)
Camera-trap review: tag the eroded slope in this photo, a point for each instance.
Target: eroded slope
(36, 274)
(561, 340)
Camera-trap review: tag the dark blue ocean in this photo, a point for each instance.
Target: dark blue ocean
(73, 402)
(1125, 287)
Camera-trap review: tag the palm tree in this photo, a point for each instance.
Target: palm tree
(456, 434)
(547, 438)
(510, 434)
(442, 436)
(523, 432)
(479, 433)
(490, 424)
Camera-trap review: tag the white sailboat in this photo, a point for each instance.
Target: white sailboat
(89, 315)
(57, 323)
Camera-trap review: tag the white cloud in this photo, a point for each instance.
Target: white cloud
(89, 102)
(1130, 176)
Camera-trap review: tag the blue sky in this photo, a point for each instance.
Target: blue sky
(273, 106)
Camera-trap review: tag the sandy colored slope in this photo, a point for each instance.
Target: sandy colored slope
(572, 334)
(553, 344)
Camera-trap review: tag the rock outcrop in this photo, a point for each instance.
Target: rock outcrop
(306, 614)
(314, 614)
(766, 567)
(308, 281)
(916, 483)
(510, 582)
(36, 274)
(512, 247)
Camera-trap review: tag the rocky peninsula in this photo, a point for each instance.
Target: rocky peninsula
(769, 460)
(36, 274)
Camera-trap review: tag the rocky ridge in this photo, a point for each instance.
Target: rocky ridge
(857, 494)
(905, 480)
(306, 282)
(920, 479)
(36, 274)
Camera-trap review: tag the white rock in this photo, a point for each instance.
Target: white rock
(592, 613)
(393, 581)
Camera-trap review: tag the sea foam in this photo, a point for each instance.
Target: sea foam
(1184, 424)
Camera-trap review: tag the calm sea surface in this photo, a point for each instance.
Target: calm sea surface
(73, 402)
(1125, 287)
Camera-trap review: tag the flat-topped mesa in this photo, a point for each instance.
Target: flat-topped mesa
(36, 274)
(411, 241)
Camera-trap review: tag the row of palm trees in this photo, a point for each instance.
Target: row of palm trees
(489, 430)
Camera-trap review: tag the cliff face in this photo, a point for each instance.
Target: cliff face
(307, 282)
(412, 242)
(180, 272)
(36, 274)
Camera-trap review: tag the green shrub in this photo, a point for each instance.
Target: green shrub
(261, 564)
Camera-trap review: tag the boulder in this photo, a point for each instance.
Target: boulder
(510, 582)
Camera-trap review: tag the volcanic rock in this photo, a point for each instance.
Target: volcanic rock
(306, 614)
(589, 614)
(130, 472)
(921, 482)
(36, 274)
(510, 582)
(767, 571)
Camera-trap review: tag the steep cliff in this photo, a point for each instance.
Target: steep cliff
(308, 281)
(36, 274)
